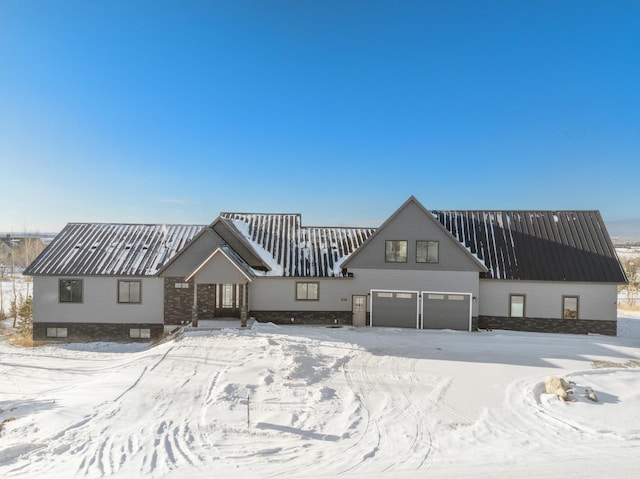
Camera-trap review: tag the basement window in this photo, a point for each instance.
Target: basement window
(57, 332)
(307, 291)
(569, 307)
(140, 333)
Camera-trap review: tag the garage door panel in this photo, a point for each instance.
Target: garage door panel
(446, 311)
(394, 309)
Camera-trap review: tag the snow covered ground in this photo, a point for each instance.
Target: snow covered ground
(323, 402)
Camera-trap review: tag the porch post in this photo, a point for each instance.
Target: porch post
(194, 309)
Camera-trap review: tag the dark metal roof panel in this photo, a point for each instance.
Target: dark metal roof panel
(538, 245)
(96, 249)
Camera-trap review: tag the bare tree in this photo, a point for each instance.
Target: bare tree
(631, 267)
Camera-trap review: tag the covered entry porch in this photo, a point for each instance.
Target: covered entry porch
(221, 287)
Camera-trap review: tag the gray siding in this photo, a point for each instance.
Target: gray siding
(220, 269)
(278, 294)
(193, 256)
(412, 223)
(544, 299)
(100, 302)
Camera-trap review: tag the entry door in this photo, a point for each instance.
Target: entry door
(228, 300)
(359, 309)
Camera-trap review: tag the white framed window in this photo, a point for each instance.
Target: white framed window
(427, 252)
(129, 291)
(57, 332)
(307, 291)
(395, 251)
(70, 291)
(569, 307)
(181, 285)
(140, 333)
(516, 306)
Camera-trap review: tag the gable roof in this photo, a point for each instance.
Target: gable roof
(291, 249)
(232, 257)
(429, 217)
(538, 245)
(509, 245)
(88, 249)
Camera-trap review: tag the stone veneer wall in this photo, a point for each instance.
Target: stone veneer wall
(303, 317)
(178, 302)
(95, 331)
(206, 300)
(546, 325)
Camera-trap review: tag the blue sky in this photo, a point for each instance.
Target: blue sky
(171, 112)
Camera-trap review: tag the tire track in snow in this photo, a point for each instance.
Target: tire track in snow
(388, 412)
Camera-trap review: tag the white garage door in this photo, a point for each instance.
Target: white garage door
(446, 310)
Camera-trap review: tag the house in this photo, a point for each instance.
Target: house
(522, 270)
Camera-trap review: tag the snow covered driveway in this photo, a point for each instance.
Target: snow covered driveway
(320, 402)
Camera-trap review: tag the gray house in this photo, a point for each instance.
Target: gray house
(522, 270)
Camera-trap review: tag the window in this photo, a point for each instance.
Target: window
(307, 291)
(427, 252)
(129, 291)
(569, 307)
(56, 332)
(140, 333)
(516, 309)
(227, 295)
(71, 291)
(395, 251)
(404, 295)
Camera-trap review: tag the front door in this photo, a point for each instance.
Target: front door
(359, 309)
(229, 300)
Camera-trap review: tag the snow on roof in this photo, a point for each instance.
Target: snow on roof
(88, 249)
(513, 245)
(291, 249)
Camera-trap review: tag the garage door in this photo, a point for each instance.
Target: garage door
(446, 310)
(394, 309)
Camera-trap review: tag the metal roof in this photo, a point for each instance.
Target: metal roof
(538, 245)
(513, 245)
(298, 250)
(88, 249)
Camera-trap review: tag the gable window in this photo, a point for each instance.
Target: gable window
(395, 251)
(129, 291)
(427, 252)
(71, 291)
(56, 332)
(569, 307)
(516, 306)
(307, 291)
